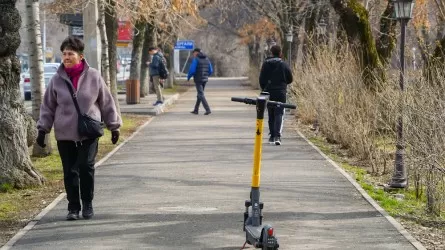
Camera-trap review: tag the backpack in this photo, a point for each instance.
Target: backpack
(163, 71)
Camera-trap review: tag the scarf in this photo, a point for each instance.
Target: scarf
(75, 72)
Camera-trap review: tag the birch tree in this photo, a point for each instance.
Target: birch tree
(104, 41)
(136, 55)
(36, 68)
(149, 41)
(111, 24)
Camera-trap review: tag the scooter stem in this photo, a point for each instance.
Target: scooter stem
(256, 173)
(261, 106)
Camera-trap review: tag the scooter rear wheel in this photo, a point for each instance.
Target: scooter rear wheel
(266, 241)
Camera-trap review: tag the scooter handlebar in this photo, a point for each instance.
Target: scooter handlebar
(278, 104)
(269, 103)
(244, 100)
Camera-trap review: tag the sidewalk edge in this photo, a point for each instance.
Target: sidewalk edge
(48, 208)
(169, 102)
(368, 198)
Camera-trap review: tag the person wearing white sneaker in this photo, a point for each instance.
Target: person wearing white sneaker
(275, 75)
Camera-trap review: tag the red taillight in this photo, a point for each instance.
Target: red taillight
(27, 80)
(270, 231)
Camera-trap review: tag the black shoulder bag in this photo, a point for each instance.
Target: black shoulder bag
(86, 125)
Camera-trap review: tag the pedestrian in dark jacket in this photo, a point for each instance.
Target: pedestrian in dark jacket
(275, 75)
(154, 66)
(200, 69)
(77, 153)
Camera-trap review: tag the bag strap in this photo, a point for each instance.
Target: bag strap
(74, 96)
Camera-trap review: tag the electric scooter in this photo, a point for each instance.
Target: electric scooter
(257, 234)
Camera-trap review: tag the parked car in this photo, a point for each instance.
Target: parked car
(49, 70)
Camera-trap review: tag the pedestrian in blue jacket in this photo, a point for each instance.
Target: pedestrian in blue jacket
(200, 69)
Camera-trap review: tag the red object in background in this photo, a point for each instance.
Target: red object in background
(125, 31)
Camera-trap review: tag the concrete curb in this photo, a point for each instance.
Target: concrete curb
(368, 198)
(157, 110)
(161, 108)
(37, 218)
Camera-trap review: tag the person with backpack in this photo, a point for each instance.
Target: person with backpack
(275, 75)
(158, 72)
(200, 69)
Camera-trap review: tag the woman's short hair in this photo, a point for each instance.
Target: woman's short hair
(276, 50)
(72, 43)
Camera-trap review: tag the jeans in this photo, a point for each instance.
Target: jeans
(78, 161)
(200, 86)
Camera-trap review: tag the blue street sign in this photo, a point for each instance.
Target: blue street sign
(185, 45)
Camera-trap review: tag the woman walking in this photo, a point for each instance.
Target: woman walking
(77, 91)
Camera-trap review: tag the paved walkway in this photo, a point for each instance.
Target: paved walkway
(182, 181)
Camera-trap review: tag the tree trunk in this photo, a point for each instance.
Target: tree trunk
(432, 193)
(36, 69)
(255, 61)
(153, 41)
(439, 52)
(424, 45)
(297, 21)
(434, 65)
(16, 127)
(310, 25)
(168, 54)
(254, 48)
(171, 65)
(290, 17)
(354, 20)
(136, 54)
(112, 26)
(103, 36)
(144, 80)
(295, 47)
(387, 40)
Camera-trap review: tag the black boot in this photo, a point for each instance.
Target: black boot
(87, 209)
(72, 215)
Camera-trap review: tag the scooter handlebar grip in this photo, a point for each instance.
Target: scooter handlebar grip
(284, 105)
(289, 106)
(238, 99)
(244, 100)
